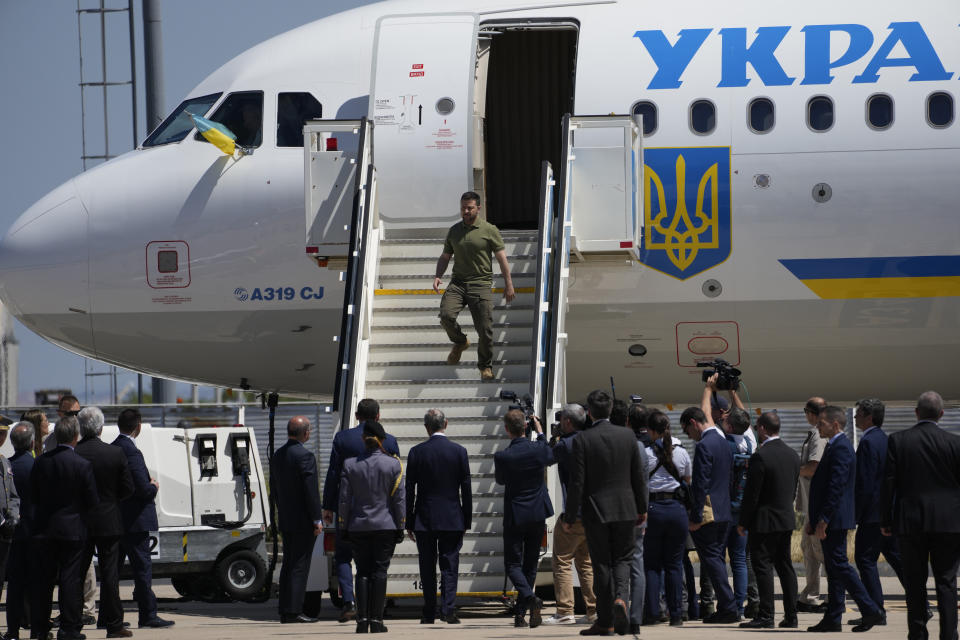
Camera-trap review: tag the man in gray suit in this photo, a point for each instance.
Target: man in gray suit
(608, 487)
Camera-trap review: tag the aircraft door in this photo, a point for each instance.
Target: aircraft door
(421, 104)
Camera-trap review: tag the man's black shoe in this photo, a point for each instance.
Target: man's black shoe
(120, 632)
(451, 618)
(634, 628)
(426, 620)
(100, 625)
(803, 607)
(160, 623)
(676, 622)
(285, 619)
(868, 622)
(826, 627)
(534, 606)
(87, 620)
(858, 621)
(789, 623)
(596, 630)
(757, 623)
(348, 612)
(621, 620)
(518, 621)
(721, 617)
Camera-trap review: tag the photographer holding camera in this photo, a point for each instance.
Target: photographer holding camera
(526, 507)
(570, 548)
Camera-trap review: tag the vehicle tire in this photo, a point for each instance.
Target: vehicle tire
(335, 598)
(311, 603)
(183, 584)
(241, 574)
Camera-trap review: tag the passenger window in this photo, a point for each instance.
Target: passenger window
(293, 109)
(880, 111)
(179, 123)
(242, 114)
(649, 112)
(703, 117)
(820, 113)
(940, 110)
(761, 115)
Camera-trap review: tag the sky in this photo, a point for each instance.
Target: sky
(40, 107)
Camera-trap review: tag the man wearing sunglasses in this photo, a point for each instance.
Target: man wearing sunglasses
(69, 406)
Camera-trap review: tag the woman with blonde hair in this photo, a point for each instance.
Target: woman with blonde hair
(371, 516)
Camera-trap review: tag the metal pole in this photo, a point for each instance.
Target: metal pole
(103, 78)
(153, 63)
(133, 69)
(139, 388)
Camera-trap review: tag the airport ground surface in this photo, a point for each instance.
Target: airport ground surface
(240, 621)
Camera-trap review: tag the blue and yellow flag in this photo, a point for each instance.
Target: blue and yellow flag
(216, 134)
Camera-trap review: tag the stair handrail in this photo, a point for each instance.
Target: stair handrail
(360, 281)
(548, 369)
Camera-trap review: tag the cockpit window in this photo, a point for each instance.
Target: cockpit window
(293, 109)
(242, 113)
(179, 123)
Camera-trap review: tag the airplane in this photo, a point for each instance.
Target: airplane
(800, 189)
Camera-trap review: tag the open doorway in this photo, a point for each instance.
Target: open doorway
(525, 84)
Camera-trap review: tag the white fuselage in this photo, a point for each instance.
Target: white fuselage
(77, 265)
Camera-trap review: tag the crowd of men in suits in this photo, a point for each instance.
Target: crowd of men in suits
(901, 494)
(80, 496)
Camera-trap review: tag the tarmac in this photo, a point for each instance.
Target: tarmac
(241, 621)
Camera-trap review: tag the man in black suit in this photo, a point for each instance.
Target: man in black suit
(114, 483)
(139, 516)
(20, 569)
(609, 489)
(767, 513)
(348, 444)
(920, 503)
(869, 542)
(294, 485)
(64, 491)
(439, 510)
(832, 517)
(526, 507)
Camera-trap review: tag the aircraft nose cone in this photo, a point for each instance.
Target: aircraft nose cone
(44, 269)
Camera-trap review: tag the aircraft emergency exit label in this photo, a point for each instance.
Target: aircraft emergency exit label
(277, 294)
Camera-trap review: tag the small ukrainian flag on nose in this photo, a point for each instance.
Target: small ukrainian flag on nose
(216, 134)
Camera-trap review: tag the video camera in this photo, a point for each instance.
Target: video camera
(728, 377)
(525, 404)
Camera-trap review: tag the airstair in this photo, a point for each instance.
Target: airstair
(392, 347)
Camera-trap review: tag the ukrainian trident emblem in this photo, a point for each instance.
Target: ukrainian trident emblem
(686, 209)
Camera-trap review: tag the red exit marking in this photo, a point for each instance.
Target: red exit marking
(417, 66)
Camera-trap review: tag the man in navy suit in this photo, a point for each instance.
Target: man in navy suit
(348, 444)
(439, 510)
(870, 542)
(526, 507)
(712, 466)
(19, 569)
(64, 491)
(139, 515)
(920, 503)
(293, 483)
(832, 517)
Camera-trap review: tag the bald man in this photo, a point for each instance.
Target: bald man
(295, 487)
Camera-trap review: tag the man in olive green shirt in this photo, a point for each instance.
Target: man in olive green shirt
(472, 241)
